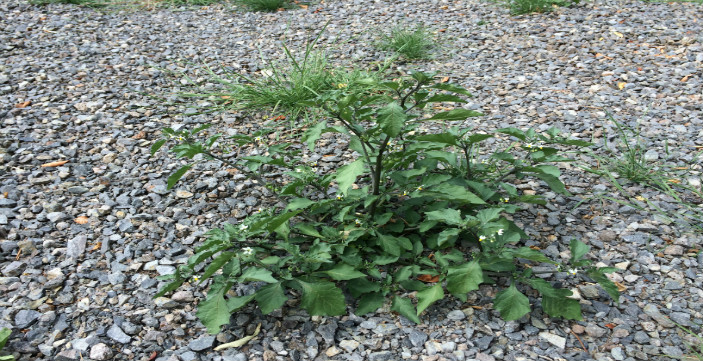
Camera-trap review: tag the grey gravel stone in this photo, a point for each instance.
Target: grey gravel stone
(25, 318)
(116, 334)
(417, 338)
(456, 315)
(100, 351)
(653, 312)
(201, 343)
(76, 246)
(14, 268)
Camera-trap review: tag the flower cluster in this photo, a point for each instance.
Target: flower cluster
(492, 237)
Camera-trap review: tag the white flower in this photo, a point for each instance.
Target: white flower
(420, 187)
(247, 251)
(500, 232)
(357, 222)
(481, 238)
(529, 145)
(298, 170)
(340, 197)
(243, 227)
(573, 271)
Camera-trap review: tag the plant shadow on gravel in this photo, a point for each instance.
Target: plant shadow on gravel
(628, 160)
(413, 217)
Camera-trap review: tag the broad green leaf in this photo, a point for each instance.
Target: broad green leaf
(429, 296)
(554, 300)
(391, 119)
(344, 272)
(157, 145)
(309, 230)
(299, 203)
(515, 132)
(7, 358)
(369, 302)
(578, 250)
(171, 286)
(606, 283)
(464, 279)
(359, 286)
(384, 259)
(457, 193)
(530, 254)
(445, 138)
(313, 134)
(447, 236)
(445, 98)
(322, 299)
(553, 182)
(488, 214)
(475, 138)
(452, 88)
(235, 304)
(270, 297)
(511, 303)
(389, 244)
(213, 313)
(257, 274)
(4, 335)
(216, 264)
(347, 174)
(405, 307)
(173, 178)
(456, 114)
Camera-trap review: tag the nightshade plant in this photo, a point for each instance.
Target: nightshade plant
(414, 217)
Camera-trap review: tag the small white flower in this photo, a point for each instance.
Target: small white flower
(420, 187)
(298, 170)
(196, 278)
(243, 227)
(529, 145)
(340, 197)
(500, 232)
(258, 139)
(357, 222)
(247, 251)
(573, 271)
(484, 161)
(505, 200)
(481, 238)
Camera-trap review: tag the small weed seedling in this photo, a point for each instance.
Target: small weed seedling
(4, 335)
(264, 5)
(518, 7)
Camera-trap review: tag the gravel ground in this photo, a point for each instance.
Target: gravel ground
(83, 242)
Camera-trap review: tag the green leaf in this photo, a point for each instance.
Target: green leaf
(157, 145)
(344, 272)
(359, 286)
(270, 297)
(171, 286)
(447, 236)
(405, 307)
(309, 230)
(216, 264)
(530, 254)
(476, 138)
(389, 244)
(511, 303)
(515, 132)
(456, 114)
(488, 214)
(608, 285)
(449, 216)
(444, 138)
(4, 335)
(299, 203)
(578, 250)
(369, 302)
(322, 299)
(391, 119)
(464, 279)
(313, 134)
(235, 304)
(429, 296)
(554, 300)
(452, 88)
(213, 313)
(347, 174)
(445, 98)
(553, 182)
(457, 193)
(257, 274)
(173, 178)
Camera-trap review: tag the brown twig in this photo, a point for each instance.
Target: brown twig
(581, 342)
(17, 257)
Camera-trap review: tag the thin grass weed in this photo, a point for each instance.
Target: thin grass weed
(412, 43)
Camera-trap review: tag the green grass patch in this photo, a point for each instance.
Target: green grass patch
(264, 5)
(518, 7)
(412, 43)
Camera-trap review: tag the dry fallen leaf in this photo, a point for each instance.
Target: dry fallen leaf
(621, 85)
(428, 278)
(610, 325)
(241, 342)
(444, 80)
(81, 220)
(96, 247)
(303, 6)
(54, 164)
(684, 79)
(621, 287)
(140, 135)
(280, 117)
(23, 104)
